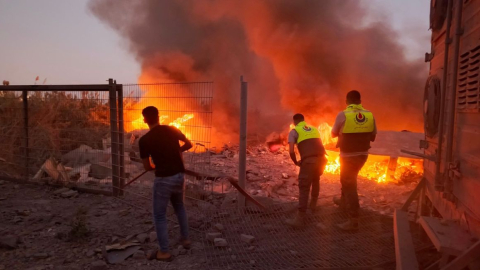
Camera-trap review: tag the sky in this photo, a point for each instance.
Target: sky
(62, 42)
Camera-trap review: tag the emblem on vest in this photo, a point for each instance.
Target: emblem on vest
(360, 119)
(307, 128)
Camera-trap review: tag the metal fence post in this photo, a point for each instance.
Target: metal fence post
(114, 137)
(242, 155)
(121, 137)
(25, 127)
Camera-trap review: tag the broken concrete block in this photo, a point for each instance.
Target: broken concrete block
(69, 194)
(139, 255)
(152, 236)
(219, 227)
(220, 242)
(247, 238)
(213, 235)
(100, 170)
(142, 238)
(60, 191)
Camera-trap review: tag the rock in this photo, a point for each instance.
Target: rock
(9, 242)
(152, 236)
(41, 255)
(90, 253)
(142, 238)
(139, 255)
(247, 238)
(285, 176)
(98, 265)
(219, 227)
(60, 191)
(100, 170)
(220, 242)
(212, 236)
(69, 194)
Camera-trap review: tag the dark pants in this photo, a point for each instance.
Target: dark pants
(349, 169)
(167, 189)
(309, 176)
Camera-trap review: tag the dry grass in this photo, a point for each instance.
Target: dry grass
(57, 123)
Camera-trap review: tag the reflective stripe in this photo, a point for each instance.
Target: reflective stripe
(358, 120)
(306, 131)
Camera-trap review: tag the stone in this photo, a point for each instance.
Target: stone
(139, 255)
(220, 242)
(9, 242)
(152, 236)
(142, 238)
(285, 176)
(100, 170)
(212, 236)
(60, 191)
(41, 255)
(90, 253)
(69, 194)
(247, 238)
(98, 265)
(219, 227)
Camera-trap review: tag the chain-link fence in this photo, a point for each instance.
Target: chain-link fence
(65, 135)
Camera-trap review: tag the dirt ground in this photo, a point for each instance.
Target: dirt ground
(50, 231)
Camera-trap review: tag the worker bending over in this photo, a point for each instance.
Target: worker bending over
(355, 128)
(312, 163)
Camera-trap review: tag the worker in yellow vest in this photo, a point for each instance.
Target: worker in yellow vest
(312, 162)
(355, 128)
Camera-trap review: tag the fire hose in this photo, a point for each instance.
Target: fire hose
(232, 181)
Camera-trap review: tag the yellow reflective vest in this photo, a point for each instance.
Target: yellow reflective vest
(306, 132)
(358, 120)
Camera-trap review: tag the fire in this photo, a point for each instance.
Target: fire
(376, 168)
(178, 123)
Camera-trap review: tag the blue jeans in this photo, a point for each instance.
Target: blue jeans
(168, 189)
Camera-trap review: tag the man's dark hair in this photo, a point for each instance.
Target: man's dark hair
(354, 97)
(298, 117)
(150, 114)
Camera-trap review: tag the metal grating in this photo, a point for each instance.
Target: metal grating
(315, 247)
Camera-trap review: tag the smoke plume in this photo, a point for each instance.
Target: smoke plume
(298, 56)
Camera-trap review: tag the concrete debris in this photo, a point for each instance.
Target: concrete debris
(100, 170)
(60, 191)
(213, 235)
(69, 194)
(247, 238)
(152, 236)
(142, 238)
(98, 265)
(9, 242)
(219, 227)
(220, 242)
(139, 255)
